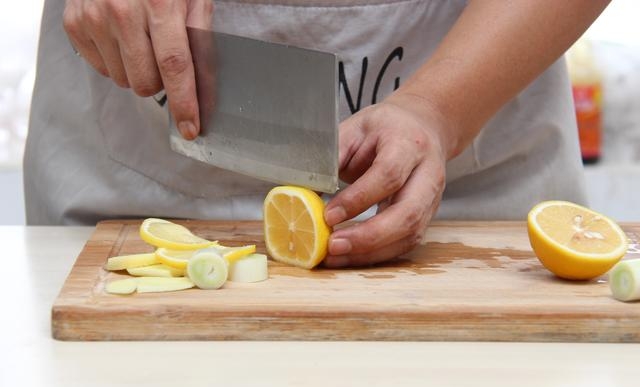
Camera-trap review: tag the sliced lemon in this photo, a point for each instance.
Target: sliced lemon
(180, 258)
(162, 233)
(574, 242)
(174, 258)
(294, 228)
(232, 254)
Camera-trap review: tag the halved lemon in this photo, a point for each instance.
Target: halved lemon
(294, 228)
(162, 233)
(574, 242)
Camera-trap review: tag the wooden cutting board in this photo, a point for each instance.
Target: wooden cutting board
(472, 281)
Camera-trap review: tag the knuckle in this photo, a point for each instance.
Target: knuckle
(158, 5)
(183, 108)
(355, 198)
(392, 181)
(440, 176)
(367, 239)
(412, 241)
(146, 88)
(120, 11)
(102, 69)
(415, 222)
(413, 219)
(209, 8)
(381, 110)
(92, 14)
(120, 80)
(437, 180)
(174, 63)
(70, 23)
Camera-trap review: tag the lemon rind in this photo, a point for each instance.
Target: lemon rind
(315, 212)
(146, 236)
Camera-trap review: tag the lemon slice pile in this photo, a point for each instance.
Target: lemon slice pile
(294, 228)
(295, 233)
(177, 263)
(574, 242)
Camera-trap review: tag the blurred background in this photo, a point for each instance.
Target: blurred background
(605, 69)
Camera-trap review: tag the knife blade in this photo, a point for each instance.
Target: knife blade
(267, 110)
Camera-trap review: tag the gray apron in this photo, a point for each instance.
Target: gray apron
(96, 151)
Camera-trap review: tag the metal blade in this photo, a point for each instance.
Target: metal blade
(269, 111)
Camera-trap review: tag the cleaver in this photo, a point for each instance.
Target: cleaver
(268, 111)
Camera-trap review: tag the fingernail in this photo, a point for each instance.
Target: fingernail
(339, 246)
(336, 262)
(187, 129)
(335, 215)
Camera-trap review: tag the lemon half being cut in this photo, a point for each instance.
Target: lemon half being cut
(294, 228)
(574, 242)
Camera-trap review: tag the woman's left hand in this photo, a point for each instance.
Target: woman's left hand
(394, 155)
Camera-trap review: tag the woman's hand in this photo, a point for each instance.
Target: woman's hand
(142, 44)
(394, 155)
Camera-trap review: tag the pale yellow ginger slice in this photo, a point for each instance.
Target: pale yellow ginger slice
(158, 270)
(159, 284)
(123, 262)
(124, 286)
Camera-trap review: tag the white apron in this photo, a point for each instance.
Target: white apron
(96, 151)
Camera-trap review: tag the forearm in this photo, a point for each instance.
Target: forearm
(494, 50)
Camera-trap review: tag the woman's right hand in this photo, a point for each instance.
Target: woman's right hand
(143, 44)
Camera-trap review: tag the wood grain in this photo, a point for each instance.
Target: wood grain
(472, 281)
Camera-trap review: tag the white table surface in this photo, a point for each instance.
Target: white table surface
(36, 260)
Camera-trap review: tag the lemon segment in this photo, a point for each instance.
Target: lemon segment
(294, 227)
(574, 242)
(174, 258)
(232, 254)
(162, 233)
